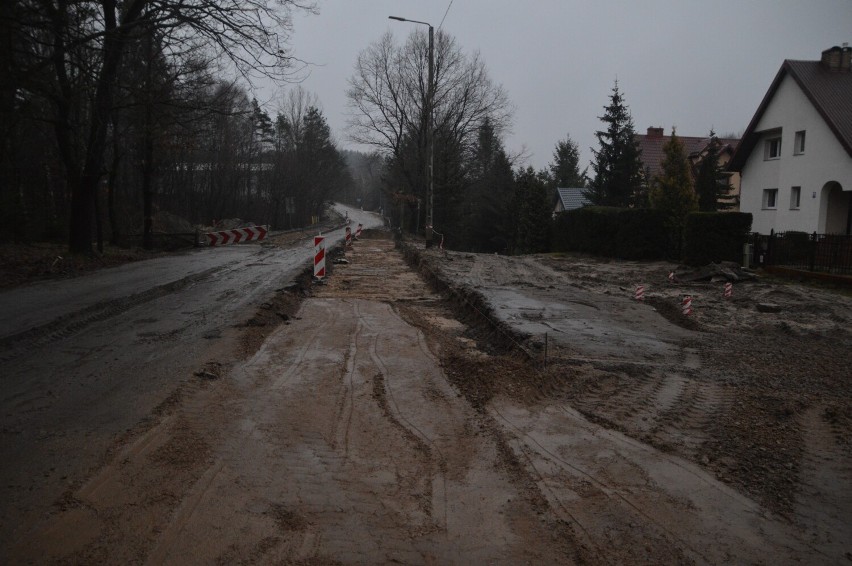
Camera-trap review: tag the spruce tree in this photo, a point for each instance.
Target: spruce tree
(617, 166)
(532, 203)
(672, 191)
(487, 206)
(711, 181)
(565, 167)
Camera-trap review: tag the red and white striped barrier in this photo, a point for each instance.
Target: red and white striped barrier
(640, 293)
(348, 236)
(237, 235)
(358, 230)
(686, 305)
(729, 290)
(319, 257)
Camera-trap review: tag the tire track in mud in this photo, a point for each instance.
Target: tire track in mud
(383, 391)
(599, 488)
(346, 398)
(687, 420)
(661, 405)
(184, 514)
(320, 328)
(824, 468)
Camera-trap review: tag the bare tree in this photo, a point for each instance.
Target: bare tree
(387, 97)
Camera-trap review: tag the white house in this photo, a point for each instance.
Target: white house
(795, 158)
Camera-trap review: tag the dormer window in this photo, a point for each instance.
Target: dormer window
(773, 148)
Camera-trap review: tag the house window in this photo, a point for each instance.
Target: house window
(773, 148)
(795, 198)
(770, 198)
(799, 144)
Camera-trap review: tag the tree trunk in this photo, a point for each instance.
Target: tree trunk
(148, 193)
(115, 231)
(99, 224)
(85, 189)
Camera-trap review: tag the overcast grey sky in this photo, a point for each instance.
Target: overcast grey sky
(688, 63)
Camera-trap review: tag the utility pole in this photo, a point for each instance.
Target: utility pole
(430, 130)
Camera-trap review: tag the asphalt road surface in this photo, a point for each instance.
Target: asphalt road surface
(84, 361)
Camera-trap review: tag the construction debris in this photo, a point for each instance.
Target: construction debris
(716, 272)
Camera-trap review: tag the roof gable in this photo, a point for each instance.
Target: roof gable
(572, 198)
(829, 92)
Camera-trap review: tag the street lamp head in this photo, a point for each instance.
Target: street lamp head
(399, 19)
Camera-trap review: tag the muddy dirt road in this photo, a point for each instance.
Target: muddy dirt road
(381, 423)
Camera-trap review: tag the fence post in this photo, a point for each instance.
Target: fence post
(833, 250)
(769, 246)
(812, 259)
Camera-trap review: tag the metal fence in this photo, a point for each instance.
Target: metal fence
(827, 253)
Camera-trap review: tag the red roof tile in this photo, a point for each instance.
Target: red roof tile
(652, 148)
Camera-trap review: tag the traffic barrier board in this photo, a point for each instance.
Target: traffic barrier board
(237, 235)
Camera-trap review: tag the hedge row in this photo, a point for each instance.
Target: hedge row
(627, 233)
(715, 236)
(624, 233)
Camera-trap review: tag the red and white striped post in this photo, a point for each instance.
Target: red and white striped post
(319, 257)
(640, 293)
(729, 290)
(686, 305)
(348, 236)
(358, 230)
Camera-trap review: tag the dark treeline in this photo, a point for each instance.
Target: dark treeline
(111, 112)
(115, 113)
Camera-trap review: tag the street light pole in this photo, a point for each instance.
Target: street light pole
(430, 129)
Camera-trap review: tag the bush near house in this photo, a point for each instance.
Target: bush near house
(625, 233)
(715, 236)
(579, 230)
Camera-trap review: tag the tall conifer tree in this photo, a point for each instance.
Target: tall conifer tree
(532, 203)
(711, 181)
(672, 191)
(617, 166)
(487, 206)
(565, 167)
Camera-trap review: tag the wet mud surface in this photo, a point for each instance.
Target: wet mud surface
(762, 402)
(482, 409)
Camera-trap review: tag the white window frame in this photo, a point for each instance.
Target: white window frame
(770, 199)
(795, 198)
(799, 143)
(768, 153)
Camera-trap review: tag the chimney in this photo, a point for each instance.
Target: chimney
(655, 132)
(837, 59)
